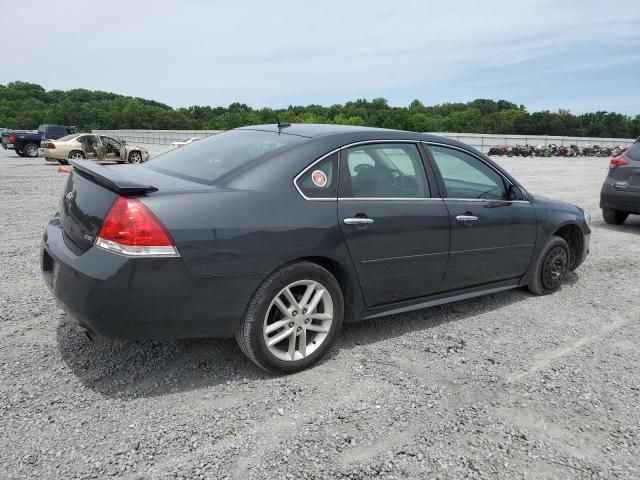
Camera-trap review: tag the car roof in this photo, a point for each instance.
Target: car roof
(349, 133)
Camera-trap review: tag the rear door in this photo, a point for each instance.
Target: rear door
(394, 223)
(493, 226)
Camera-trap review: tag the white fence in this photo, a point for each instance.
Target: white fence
(157, 137)
(484, 142)
(478, 140)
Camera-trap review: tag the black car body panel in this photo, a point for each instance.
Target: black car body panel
(621, 187)
(233, 232)
(44, 132)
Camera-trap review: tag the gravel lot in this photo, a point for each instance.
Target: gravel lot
(505, 386)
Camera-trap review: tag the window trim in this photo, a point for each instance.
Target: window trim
(429, 159)
(480, 159)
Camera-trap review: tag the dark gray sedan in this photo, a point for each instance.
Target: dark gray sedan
(278, 234)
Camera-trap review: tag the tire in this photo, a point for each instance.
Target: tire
(551, 268)
(76, 155)
(262, 312)
(135, 157)
(510, 154)
(30, 150)
(614, 217)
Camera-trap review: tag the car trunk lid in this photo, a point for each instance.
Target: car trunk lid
(92, 189)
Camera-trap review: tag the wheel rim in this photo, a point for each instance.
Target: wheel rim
(75, 156)
(136, 158)
(554, 267)
(32, 151)
(298, 320)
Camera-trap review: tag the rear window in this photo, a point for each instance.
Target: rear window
(210, 158)
(68, 137)
(634, 152)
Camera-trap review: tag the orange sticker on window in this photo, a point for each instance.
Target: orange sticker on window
(319, 178)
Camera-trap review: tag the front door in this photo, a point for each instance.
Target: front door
(396, 233)
(493, 228)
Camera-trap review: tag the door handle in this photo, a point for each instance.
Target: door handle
(358, 221)
(466, 218)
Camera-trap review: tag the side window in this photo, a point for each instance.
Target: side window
(385, 170)
(465, 176)
(321, 180)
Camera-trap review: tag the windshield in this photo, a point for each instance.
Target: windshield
(67, 138)
(214, 156)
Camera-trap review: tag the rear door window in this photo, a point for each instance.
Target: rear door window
(385, 170)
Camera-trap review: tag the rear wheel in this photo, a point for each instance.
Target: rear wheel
(30, 150)
(135, 157)
(614, 217)
(293, 318)
(551, 268)
(76, 155)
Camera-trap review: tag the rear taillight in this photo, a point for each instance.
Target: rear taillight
(12, 138)
(131, 229)
(49, 145)
(618, 161)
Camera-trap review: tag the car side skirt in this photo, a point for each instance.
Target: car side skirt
(440, 299)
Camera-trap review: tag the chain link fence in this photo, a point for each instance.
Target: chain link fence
(482, 142)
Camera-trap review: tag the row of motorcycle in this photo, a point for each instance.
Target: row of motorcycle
(556, 150)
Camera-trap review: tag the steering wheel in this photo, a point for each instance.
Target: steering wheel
(397, 177)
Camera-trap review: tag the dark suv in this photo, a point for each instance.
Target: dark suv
(620, 195)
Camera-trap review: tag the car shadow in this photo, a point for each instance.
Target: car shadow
(631, 225)
(135, 369)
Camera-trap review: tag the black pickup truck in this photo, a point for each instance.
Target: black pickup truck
(26, 143)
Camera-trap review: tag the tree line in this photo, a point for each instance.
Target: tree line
(27, 105)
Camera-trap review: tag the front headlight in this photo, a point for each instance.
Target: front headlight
(587, 217)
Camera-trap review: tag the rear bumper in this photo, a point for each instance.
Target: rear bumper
(136, 298)
(619, 200)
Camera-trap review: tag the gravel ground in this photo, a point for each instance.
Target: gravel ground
(506, 386)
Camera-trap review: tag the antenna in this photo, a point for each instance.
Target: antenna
(281, 125)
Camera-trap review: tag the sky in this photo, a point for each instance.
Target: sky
(546, 54)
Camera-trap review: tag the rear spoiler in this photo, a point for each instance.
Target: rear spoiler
(110, 178)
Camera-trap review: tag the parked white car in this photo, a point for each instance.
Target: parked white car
(182, 143)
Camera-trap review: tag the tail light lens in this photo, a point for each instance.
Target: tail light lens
(131, 229)
(49, 145)
(12, 138)
(618, 161)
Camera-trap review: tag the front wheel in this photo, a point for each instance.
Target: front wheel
(551, 268)
(614, 217)
(293, 319)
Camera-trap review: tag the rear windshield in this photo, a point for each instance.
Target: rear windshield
(210, 158)
(634, 152)
(67, 138)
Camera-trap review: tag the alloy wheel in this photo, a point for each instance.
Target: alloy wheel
(135, 157)
(76, 156)
(298, 320)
